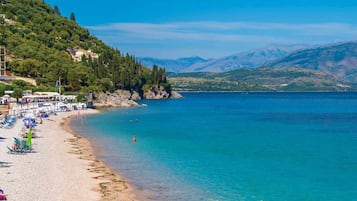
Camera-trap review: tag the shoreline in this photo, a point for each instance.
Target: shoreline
(112, 185)
(267, 91)
(63, 166)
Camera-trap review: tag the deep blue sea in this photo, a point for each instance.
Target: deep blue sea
(234, 146)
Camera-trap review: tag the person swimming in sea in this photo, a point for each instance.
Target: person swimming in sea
(134, 139)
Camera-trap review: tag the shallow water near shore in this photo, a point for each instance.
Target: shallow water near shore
(233, 146)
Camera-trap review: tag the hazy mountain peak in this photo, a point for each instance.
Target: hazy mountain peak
(338, 60)
(251, 59)
(171, 65)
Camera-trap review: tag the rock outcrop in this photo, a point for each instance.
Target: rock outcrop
(156, 93)
(120, 98)
(160, 93)
(175, 94)
(135, 96)
(124, 98)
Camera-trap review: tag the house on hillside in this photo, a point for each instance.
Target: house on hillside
(5, 20)
(4, 2)
(77, 53)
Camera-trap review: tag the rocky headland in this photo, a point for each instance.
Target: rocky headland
(125, 98)
(160, 93)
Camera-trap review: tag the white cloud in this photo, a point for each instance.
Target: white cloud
(194, 29)
(224, 35)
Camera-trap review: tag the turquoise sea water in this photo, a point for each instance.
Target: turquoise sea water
(234, 146)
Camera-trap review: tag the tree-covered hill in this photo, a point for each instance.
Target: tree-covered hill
(42, 44)
(259, 79)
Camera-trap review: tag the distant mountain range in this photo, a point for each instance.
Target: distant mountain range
(331, 67)
(259, 79)
(172, 65)
(337, 60)
(250, 59)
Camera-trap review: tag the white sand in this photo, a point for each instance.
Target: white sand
(52, 173)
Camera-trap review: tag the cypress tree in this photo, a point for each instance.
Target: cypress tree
(72, 17)
(57, 12)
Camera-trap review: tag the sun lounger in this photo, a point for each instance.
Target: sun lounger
(2, 165)
(22, 147)
(14, 151)
(23, 150)
(8, 123)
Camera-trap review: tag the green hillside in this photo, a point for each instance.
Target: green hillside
(42, 44)
(337, 60)
(259, 79)
(325, 68)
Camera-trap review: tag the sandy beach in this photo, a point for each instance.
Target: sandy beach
(63, 166)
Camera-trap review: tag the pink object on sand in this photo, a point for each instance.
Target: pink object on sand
(2, 197)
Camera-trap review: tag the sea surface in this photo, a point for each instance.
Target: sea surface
(233, 146)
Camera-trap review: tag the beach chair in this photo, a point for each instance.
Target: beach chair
(4, 164)
(14, 151)
(17, 141)
(5, 123)
(25, 148)
(9, 124)
(22, 147)
(2, 123)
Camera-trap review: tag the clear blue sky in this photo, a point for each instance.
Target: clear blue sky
(212, 28)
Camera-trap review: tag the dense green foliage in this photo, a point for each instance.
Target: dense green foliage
(39, 41)
(18, 86)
